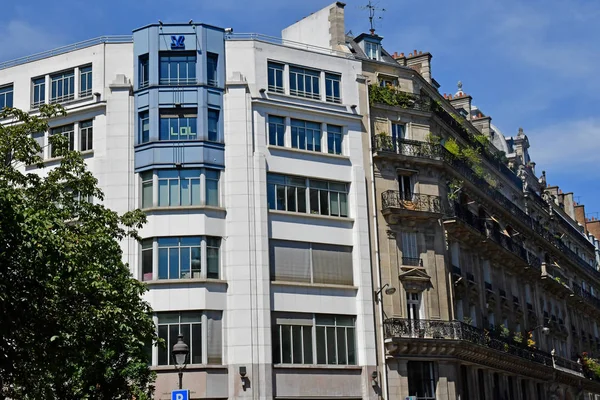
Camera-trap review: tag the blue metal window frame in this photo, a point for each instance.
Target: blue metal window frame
(177, 68)
(178, 125)
(143, 121)
(85, 81)
(143, 71)
(39, 91)
(213, 124)
(306, 135)
(305, 83)
(333, 92)
(212, 71)
(62, 86)
(6, 96)
(275, 77)
(335, 137)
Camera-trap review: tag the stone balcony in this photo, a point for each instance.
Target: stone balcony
(454, 339)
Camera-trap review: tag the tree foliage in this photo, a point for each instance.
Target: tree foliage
(73, 323)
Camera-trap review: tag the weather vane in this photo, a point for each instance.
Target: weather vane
(372, 7)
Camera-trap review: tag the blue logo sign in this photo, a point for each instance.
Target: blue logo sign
(180, 395)
(177, 42)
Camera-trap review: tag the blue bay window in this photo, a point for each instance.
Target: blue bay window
(178, 187)
(144, 127)
(179, 257)
(177, 69)
(178, 125)
(213, 125)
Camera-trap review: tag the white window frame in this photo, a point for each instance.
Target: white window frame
(413, 306)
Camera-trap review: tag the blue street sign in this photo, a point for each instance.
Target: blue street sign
(180, 395)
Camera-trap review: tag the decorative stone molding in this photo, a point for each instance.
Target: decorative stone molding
(415, 279)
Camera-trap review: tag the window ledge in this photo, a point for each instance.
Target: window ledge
(160, 282)
(319, 101)
(314, 285)
(184, 208)
(308, 152)
(193, 367)
(316, 366)
(307, 215)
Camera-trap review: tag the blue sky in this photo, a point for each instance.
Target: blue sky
(531, 64)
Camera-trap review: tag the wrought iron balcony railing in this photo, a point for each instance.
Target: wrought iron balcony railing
(461, 212)
(585, 295)
(391, 199)
(456, 330)
(411, 148)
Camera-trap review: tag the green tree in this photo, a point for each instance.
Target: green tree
(73, 324)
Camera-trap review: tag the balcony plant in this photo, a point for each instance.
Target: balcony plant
(591, 366)
(391, 96)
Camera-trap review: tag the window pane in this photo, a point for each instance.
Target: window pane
(341, 345)
(331, 347)
(321, 345)
(212, 192)
(286, 345)
(163, 192)
(351, 346)
(307, 339)
(185, 262)
(324, 202)
(185, 192)
(195, 192)
(297, 344)
(163, 351)
(163, 264)
(174, 263)
(174, 192)
(196, 344)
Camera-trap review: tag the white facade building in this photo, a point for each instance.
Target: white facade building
(279, 282)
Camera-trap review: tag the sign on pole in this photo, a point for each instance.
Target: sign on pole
(180, 394)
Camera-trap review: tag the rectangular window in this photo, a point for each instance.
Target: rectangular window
(322, 339)
(179, 258)
(213, 246)
(405, 187)
(304, 83)
(6, 97)
(372, 50)
(212, 187)
(306, 135)
(85, 81)
(179, 69)
(410, 251)
(144, 127)
(213, 125)
(178, 125)
(212, 60)
(178, 187)
(289, 194)
(39, 139)
(332, 88)
(147, 263)
(39, 91)
(310, 262)
(334, 139)
(421, 380)
(398, 133)
(487, 275)
(147, 189)
(335, 340)
(86, 135)
(69, 132)
(189, 324)
(275, 77)
(276, 130)
(413, 305)
(286, 193)
(144, 71)
(62, 86)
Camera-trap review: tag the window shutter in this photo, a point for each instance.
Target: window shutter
(332, 264)
(214, 337)
(290, 261)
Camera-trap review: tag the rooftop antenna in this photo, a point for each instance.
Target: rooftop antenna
(372, 7)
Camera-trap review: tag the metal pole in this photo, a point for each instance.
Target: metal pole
(180, 379)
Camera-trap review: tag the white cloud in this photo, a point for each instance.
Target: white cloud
(19, 38)
(567, 146)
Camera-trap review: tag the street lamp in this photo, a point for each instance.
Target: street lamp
(180, 352)
(545, 329)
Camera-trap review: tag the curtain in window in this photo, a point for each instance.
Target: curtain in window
(214, 337)
(290, 261)
(332, 264)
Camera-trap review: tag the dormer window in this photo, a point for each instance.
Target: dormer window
(372, 50)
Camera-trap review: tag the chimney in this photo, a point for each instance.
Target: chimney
(420, 62)
(580, 216)
(594, 227)
(337, 32)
